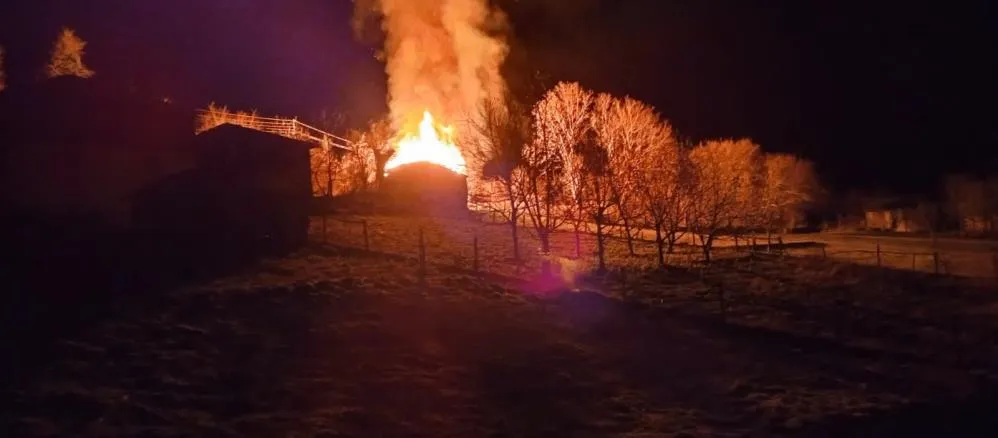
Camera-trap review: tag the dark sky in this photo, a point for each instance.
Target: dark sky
(880, 95)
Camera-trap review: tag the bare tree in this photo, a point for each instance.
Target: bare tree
(542, 183)
(726, 171)
(626, 129)
(324, 166)
(496, 141)
(565, 110)
(215, 115)
(357, 166)
(67, 56)
(325, 161)
(664, 185)
(789, 183)
(600, 195)
(377, 139)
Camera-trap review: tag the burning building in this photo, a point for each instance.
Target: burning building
(443, 61)
(424, 188)
(427, 174)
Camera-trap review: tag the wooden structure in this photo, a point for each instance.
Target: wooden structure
(424, 189)
(250, 190)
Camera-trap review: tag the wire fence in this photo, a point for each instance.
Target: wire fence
(973, 264)
(485, 244)
(285, 127)
(790, 286)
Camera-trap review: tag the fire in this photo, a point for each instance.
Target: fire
(433, 143)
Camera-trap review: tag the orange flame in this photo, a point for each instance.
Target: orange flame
(433, 143)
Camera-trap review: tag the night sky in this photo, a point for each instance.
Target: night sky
(879, 96)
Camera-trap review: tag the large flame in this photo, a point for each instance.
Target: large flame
(433, 143)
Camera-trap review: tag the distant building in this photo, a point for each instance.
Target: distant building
(901, 220)
(901, 214)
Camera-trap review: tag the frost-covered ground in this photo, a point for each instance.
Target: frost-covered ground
(338, 342)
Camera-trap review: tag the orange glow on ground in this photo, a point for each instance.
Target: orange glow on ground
(433, 143)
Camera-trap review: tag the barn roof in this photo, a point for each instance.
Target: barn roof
(227, 134)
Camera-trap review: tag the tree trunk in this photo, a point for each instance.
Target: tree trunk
(660, 243)
(627, 235)
(545, 238)
(600, 250)
(514, 231)
(379, 169)
(514, 218)
(329, 174)
(705, 244)
(578, 243)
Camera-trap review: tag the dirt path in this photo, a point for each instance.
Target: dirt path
(332, 344)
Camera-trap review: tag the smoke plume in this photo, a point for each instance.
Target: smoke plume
(440, 55)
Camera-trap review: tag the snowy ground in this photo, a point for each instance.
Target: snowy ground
(339, 342)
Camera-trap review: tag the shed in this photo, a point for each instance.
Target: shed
(248, 188)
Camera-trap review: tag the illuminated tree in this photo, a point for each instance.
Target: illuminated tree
(496, 142)
(541, 177)
(789, 183)
(562, 119)
(324, 166)
(67, 56)
(663, 189)
(357, 166)
(325, 162)
(600, 195)
(626, 130)
(726, 175)
(377, 139)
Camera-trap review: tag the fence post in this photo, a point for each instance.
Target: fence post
(783, 249)
(824, 252)
(736, 243)
(878, 254)
(474, 249)
(422, 257)
(367, 242)
(913, 255)
(935, 261)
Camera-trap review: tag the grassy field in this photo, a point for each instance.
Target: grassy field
(335, 341)
(975, 258)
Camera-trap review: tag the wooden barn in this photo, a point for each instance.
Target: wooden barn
(424, 189)
(250, 190)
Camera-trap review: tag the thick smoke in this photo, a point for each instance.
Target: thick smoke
(440, 55)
